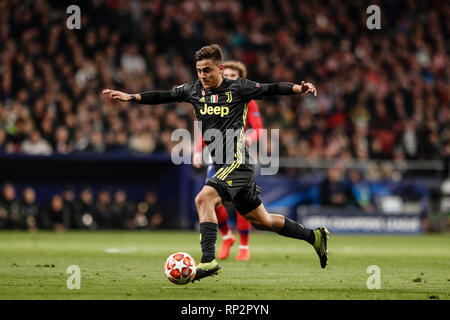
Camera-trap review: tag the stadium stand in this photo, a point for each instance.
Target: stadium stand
(383, 95)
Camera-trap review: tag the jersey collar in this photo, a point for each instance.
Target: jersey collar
(208, 91)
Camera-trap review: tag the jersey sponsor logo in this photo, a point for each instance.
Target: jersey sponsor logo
(216, 110)
(202, 99)
(214, 98)
(230, 182)
(229, 96)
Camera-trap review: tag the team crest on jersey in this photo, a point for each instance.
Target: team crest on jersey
(214, 98)
(229, 96)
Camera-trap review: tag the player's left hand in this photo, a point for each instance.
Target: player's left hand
(308, 88)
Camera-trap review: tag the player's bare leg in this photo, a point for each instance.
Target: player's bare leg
(206, 202)
(263, 220)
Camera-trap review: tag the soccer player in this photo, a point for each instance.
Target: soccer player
(222, 104)
(233, 70)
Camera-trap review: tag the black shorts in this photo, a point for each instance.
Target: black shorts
(236, 185)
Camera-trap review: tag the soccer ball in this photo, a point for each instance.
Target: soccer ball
(180, 268)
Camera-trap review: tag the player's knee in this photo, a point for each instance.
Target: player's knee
(203, 198)
(200, 199)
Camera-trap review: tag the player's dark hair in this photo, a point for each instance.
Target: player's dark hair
(213, 52)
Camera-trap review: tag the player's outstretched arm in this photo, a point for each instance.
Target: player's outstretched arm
(251, 90)
(148, 97)
(287, 88)
(119, 95)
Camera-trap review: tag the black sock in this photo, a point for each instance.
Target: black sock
(208, 238)
(293, 229)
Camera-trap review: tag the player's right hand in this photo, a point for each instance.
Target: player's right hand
(117, 95)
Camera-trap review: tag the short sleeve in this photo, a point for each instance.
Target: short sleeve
(251, 90)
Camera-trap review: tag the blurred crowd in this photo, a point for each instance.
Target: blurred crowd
(86, 211)
(383, 94)
(364, 189)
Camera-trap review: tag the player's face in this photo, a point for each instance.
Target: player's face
(230, 74)
(209, 73)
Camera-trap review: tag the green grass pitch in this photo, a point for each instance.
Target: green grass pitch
(129, 265)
